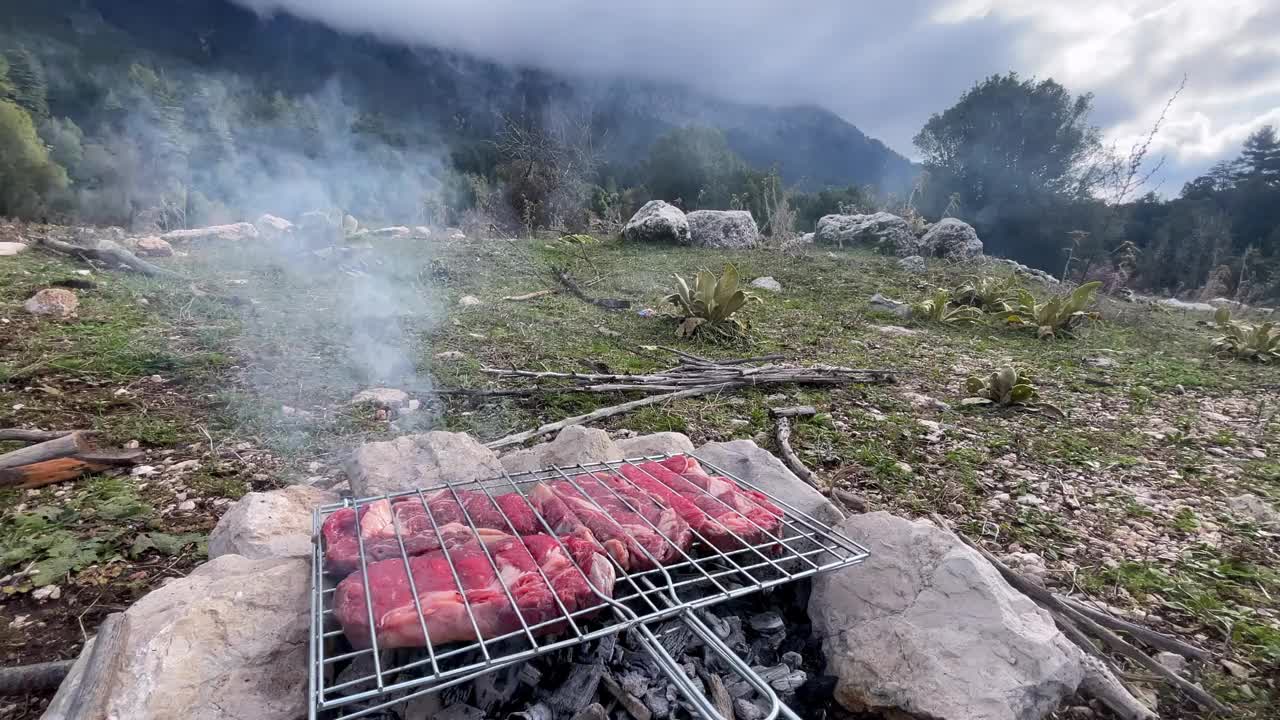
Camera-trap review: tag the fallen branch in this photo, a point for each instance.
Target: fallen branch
(30, 679)
(572, 287)
(21, 435)
(783, 436)
(531, 296)
(58, 459)
(1159, 641)
(109, 252)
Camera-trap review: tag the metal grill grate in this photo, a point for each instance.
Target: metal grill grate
(374, 679)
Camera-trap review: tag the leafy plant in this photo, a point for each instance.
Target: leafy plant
(1059, 315)
(1006, 387)
(940, 308)
(1245, 341)
(988, 293)
(710, 305)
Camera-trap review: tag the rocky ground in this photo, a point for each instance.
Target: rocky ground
(1156, 495)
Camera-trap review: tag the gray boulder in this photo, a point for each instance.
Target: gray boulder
(272, 226)
(227, 641)
(951, 239)
(927, 627)
(883, 231)
(658, 221)
(912, 264)
(414, 461)
(234, 231)
(883, 304)
(750, 462)
(9, 249)
(670, 443)
(275, 524)
(733, 229)
(767, 283)
(572, 446)
(395, 231)
(1177, 304)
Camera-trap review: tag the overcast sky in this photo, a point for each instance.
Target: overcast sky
(886, 66)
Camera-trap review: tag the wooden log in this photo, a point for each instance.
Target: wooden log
(86, 697)
(29, 679)
(76, 443)
(794, 411)
(1159, 641)
(34, 436)
(110, 252)
(783, 436)
(62, 458)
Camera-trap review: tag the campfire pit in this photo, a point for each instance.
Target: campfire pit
(732, 555)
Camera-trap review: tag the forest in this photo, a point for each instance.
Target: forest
(107, 120)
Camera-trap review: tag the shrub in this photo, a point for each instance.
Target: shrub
(1245, 341)
(1060, 315)
(27, 176)
(710, 306)
(1006, 387)
(989, 294)
(940, 308)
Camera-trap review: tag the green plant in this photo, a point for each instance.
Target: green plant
(940, 308)
(1245, 341)
(1059, 315)
(988, 293)
(1006, 387)
(710, 306)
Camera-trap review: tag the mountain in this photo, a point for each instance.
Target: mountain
(427, 91)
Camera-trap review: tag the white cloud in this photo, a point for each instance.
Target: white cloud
(886, 66)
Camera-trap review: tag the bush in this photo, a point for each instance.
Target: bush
(710, 306)
(28, 178)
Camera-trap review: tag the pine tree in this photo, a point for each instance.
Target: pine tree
(28, 87)
(1260, 158)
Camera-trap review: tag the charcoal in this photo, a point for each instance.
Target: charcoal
(537, 711)
(768, 622)
(633, 704)
(657, 702)
(529, 675)
(790, 682)
(594, 711)
(746, 710)
(423, 707)
(739, 688)
(460, 712)
(634, 682)
(768, 643)
(496, 688)
(792, 659)
(718, 625)
(736, 640)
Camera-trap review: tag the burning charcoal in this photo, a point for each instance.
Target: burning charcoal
(658, 704)
(717, 624)
(739, 688)
(634, 682)
(633, 704)
(538, 711)
(792, 659)
(746, 710)
(594, 711)
(530, 675)
(768, 622)
(790, 682)
(460, 712)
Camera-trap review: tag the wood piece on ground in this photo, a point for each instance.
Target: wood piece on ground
(59, 459)
(576, 291)
(29, 679)
(783, 436)
(34, 436)
(634, 705)
(531, 296)
(719, 696)
(605, 412)
(110, 252)
(794, 411)
(851, 500)
(88, 698)
(1159, 641)
(1101, 683)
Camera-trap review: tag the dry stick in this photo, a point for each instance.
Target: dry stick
(608, 412)
(108, 251)
(35, 436)
(30, 679)
(1156, 640)
(1117, 643)
(783, 436)
(531, 296)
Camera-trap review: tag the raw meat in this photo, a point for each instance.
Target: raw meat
(733, 516)
(454, 614)
(626, 536)
(651, 522)
(564, 521)
(690, 468)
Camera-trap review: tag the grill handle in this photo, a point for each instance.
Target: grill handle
(700, 701)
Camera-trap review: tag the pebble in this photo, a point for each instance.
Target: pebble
(1235, 669)
(187, 506)
(470, 301)
(184, 466)
(1030, 500)
(1173, 661)
(48, 592)
(142, 470)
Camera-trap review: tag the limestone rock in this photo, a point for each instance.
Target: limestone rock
(234, 231)
(389, 398)
(797, 243)
(272, 226)
(757, 466)
(733, 229)
(928, 627)
(575, 444)
(883, 231)
(1177, 304)
(912, 264)
(1254, 509)
(951, 239)
(657, 221)
(1031, 272)
(9, 249)
(894, 330)
(470, 301)
(414, 461)
(767, 283)
(275, 524)
(227, 641)
(58, 303)
(397, 231)
(880, 303)
(153, 247)
(670, 443)
(421, 231)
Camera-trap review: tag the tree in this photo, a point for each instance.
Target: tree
(1260, 158)
(692, 166)
(28, 177)
(27, 85)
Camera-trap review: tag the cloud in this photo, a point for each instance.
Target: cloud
(884, 66)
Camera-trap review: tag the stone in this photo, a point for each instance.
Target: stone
(729, 229)
(883, 304)
(758, 467)
(767, 283)
(415, 461)
(58, 303)
(883, 231)
(1020, 269)
(573, 445)
(951, 239)
(1177, 304)
(274, 524)
(186, 506)
(927, 627)
(1254, 509)
(153, 247)
(350, 225)
(9, 249)
(396, 231)
(894, 330)
(388, 398)
(668, 443)
(658, 221)
(229, 640)
(470, 301)
(924, 402)
(912, 264)
(272, 226)
(234, 231)
(318, 222)
(797, 243)
(450, 356)
(1173, 661)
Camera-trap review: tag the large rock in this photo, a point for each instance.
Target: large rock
(883, 231)
(272, 226)
(928, 627)
(1252, 508)
(748, 461)
(57, 303)
(234, 231)
(275, 524)
(9, 249)
(414, 461)
(575, 444)
(668, 443)
(657, 221)
(951, 239)
(733, 229)
(767, 283)
(153, 246)
(227, 641)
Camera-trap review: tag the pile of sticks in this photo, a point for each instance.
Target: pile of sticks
(56, 456)
(693, 376)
